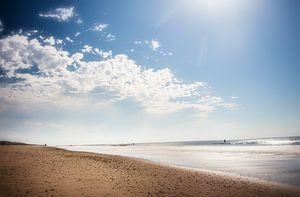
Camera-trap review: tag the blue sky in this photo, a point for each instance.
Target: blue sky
(122, 71)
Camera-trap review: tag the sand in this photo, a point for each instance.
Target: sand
(46, 171)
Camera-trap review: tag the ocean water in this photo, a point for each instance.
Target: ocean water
(272, 159)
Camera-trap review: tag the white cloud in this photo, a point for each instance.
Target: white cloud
(103, 54)
(77, 57)
(110, 37)
(69, 39)
(1, 26)
(50, 40)
(154, 44)
(231, 106)
(109, 80)
(59, 41)
(234, 97)
(60, 14)
(77, 34)
(99, 27)
(87, 49)
(137, 42)
(79, 21)
(19, 52)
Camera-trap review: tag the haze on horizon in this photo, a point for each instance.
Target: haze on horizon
(76, 72)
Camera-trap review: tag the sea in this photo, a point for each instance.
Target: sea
(274, 159)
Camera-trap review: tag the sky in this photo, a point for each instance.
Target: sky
(85, 72)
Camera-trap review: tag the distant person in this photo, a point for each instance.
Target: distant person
(45, 144)
(133, 144)
(224, 141)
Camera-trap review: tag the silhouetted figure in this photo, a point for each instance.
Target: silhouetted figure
(45, 144)
(133, 144)
(224, 141)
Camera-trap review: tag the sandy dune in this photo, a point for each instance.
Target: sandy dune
(46, 171)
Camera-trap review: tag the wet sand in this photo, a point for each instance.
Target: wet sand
(46, 171)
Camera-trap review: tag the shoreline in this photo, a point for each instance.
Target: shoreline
(269, 171)
(61, 172)
(229, 175)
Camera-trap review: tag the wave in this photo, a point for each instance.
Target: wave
(247, 142)
(268, 141)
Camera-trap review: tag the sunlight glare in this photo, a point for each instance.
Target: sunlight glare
(213, 7)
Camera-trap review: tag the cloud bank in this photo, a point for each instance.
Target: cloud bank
(39, 73)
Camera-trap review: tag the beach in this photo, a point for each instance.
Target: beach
(28, 170)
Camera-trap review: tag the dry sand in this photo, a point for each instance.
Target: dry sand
(46, 171)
